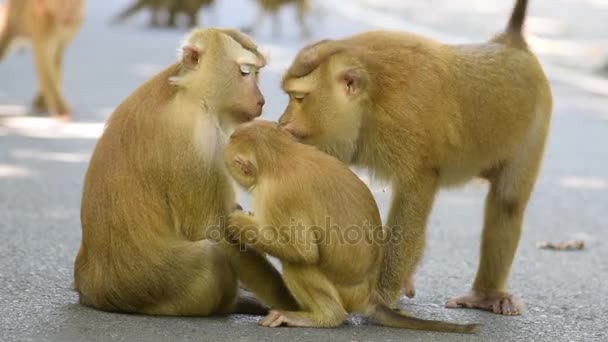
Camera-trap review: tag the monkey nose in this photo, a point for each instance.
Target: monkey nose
(262, 102)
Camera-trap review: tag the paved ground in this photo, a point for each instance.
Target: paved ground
(42, 164)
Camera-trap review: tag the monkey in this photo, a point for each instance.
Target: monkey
(50, 25)
(331, 268)
(272, 7)
(156, 194)
(423, 115)
(190, 8)
(173, 7)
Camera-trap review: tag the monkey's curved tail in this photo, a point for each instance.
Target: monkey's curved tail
(513, 35)
(383, 315)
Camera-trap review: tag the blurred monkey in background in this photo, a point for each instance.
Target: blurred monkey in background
(272, 7)
(172, 8)
(49, 25)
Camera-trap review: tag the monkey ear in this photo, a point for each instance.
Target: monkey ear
(191, 55)
(246, 166)
(352, 81)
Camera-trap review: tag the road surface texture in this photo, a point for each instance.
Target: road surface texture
(42, 165)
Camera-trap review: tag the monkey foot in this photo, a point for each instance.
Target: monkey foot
(502, 304)
(277, 318)
(408, 287)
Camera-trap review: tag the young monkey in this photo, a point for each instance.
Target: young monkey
(50, 25)
(425, 115)
(156, 193)
(321, 221)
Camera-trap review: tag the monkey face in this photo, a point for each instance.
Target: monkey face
(243, 100)
(222, 67)
(325, 109)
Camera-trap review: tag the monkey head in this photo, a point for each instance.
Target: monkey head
(327, 89)
(253, 150)
(220, 68)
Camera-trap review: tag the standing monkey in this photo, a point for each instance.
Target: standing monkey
(156, 193)
(172, 7)
(50, 25)
(272, 7)
(315, 215)
(425, 115)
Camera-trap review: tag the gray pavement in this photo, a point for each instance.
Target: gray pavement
(42, 164)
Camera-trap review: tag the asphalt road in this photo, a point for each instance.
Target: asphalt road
(42, 164)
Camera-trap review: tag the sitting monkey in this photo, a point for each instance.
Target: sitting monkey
(50, 25)
(424, 115)
(321, 221)
(156, 194)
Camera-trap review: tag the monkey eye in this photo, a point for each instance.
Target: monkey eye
(298, 97)
(246, 69)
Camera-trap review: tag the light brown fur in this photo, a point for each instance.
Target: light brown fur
(272, 7)
(321, 221)
(425, 115)
(172, 8)
(156, 194)
(50, 25)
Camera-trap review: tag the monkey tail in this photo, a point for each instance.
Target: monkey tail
(513, 34)
(384, 316)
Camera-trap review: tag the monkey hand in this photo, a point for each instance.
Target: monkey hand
(242, 228)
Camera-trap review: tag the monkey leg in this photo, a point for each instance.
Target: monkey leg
(511, 186)
(193, 19)
(39, 104)
(317, 296)
(6, 37)
(260, 277)
(407, 219)
(45, 61)
(211, 288)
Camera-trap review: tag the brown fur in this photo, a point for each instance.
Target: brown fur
(50, 25)
(330, 267)
(272, 7)
(172, 7)
(425, 115)
(156, 194)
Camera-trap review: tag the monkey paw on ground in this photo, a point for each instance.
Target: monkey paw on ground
(502, 304)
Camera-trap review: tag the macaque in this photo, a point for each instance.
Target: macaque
(188, 7)
(272, 7)
(156, 194)
(424, 115)
(155, 6)
(50, 25)
(172, 8)
(321, 221)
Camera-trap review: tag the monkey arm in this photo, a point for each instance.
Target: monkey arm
(410, 208)
(296, 246)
